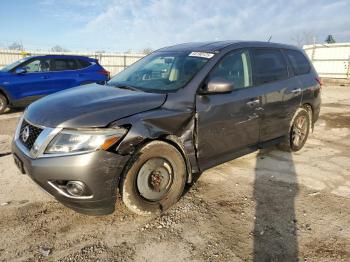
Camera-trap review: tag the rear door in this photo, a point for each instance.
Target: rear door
(65, 73)
(281, 94)
(302, 72)
(228, 123)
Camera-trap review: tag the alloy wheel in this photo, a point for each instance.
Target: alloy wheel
(299, 130)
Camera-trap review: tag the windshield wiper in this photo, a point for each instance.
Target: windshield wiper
(127, 87)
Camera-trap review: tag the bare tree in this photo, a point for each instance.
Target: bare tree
(58, 48)
(147, 50)
(303, 38)
(15, 46)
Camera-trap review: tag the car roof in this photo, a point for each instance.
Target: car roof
(217, 46)
(63, 56)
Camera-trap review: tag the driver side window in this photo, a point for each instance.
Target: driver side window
(37, 65)
(33, 66)
(236, 68)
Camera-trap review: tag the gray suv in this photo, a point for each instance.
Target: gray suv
(165, 119)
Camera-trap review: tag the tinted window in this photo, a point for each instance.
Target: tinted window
(269, 66)
(83, 64)
(298, 61)
(235, 67)
(63, 64)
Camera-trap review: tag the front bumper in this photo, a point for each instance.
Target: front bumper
(99, 171)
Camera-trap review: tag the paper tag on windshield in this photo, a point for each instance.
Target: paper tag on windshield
(201, 54)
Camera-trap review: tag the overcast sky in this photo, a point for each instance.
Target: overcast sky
(136, 24)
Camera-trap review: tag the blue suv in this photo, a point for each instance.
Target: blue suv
(33, 77)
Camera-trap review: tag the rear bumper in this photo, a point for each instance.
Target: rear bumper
(99, 171)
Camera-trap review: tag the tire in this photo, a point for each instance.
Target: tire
(298, 128)
(3, 103)
(154, 180)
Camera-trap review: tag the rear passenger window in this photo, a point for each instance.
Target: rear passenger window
(236, 68)
(64, 64)
(269, 66)
(298, 61)
(83, 64)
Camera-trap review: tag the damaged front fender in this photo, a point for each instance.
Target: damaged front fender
(174, 126)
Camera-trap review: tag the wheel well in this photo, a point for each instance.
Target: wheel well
(175, 141)
(3, 93)
(171, 140)
(309, 108)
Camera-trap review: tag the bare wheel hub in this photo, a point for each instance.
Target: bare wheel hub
(154, 179)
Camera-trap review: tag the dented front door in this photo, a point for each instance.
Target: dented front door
(228, 123)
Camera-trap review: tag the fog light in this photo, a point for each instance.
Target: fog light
(75, 188)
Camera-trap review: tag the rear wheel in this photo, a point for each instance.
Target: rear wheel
(154, 180)
(3, 103)
(298, 133)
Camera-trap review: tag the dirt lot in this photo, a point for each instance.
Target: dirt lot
(266, 206)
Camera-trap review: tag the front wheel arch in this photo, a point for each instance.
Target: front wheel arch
(176, 142)
(4, 93)
(172, 140)
(4, 104)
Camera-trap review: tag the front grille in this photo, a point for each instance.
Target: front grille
(33, 134)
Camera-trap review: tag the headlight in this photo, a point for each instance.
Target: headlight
(79, 141)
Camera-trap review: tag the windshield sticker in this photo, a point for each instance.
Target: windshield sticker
(201, 54)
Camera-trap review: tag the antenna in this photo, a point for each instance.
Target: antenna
(269, 39)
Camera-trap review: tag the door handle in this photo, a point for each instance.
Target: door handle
(253, 103)
(44, 77)
(296, 91)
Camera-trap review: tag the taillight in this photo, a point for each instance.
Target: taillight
(319, 80)
(105, 72)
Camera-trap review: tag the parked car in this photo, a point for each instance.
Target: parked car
(33, 77)
(169, 116)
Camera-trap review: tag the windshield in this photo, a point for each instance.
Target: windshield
(161, 71)
(13, 65)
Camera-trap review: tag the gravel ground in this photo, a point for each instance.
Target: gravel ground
(266, 206)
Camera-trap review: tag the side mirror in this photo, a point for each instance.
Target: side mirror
(218, 85)
(21, 70)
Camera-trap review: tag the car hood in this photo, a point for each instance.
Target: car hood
(3, 73)
(90, 106)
